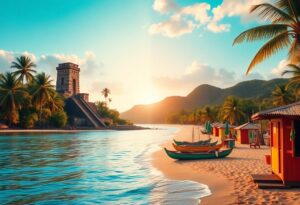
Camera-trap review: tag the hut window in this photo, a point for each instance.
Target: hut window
(297, 138)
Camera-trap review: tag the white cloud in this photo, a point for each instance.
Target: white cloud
(213, 26)
(174, 27)
(196, 74)
(277, 71)
(165, 6)
(200, 13)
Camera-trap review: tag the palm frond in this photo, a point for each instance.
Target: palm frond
(271, 47)
(289, 7)
(295, 70)
(260, 32)
(294, 51)
(272, 13)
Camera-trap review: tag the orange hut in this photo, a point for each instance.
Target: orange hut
(243, 131)
(285, 148)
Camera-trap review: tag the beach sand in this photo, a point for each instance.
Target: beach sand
(229, 179)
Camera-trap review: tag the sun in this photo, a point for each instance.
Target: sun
(149, 95)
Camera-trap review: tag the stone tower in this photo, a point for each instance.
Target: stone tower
(67, 82)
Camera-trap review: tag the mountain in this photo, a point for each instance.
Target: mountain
(200, 96)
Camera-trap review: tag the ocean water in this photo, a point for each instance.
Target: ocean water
(101, 167)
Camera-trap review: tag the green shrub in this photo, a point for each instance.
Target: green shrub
(58, 119)
(28, 118)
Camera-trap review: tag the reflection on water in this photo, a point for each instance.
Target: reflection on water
(105, 167)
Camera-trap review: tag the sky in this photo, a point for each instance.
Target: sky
(142, 50)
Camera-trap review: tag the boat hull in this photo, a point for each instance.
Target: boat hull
(195, 148)
(199, 143)
(197, 156)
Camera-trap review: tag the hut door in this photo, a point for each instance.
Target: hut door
(276, 147)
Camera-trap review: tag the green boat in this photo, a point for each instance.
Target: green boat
(194, 156)
(201, 142)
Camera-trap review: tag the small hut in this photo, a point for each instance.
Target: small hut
(285, 145)
(221, 130)
(215, 129)
(243, 132)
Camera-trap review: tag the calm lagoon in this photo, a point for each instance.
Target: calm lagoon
(101, 167)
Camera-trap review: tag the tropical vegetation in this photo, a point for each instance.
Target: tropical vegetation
(234, 110)
(105, 112)
(283, 95)
(295, 79)
(29, 100)
(283, 31)
(106, 92)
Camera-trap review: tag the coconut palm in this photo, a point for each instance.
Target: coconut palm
(282, 32)
(295, 79)
(105, 92)
(207, 114)
(232, 110)
(24, 66)
(42, 92)
(56, 102)
(12, 95)
(282, 95)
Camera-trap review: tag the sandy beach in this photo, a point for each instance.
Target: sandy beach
(229, 179)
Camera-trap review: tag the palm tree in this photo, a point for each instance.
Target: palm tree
(295, 80)
(12, 95)
(282, 32)
(24, 66)
(232, 110)
(56, 102)
(282, 95)
(42, 92)
(105, 92)
(207, 114)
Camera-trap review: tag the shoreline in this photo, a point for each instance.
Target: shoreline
(229, 179)
(114, 128)
(220, 187)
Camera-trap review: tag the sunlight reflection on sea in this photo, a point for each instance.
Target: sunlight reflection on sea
(104, 167)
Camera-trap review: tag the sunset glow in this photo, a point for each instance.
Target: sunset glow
(165, 48)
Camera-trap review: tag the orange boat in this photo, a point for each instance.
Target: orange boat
(195, 148)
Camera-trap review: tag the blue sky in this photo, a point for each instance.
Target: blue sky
(143, 50)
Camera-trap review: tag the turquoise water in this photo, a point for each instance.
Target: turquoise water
(104, 167)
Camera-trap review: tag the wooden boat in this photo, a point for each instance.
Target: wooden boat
(194, 156)
(196, 148)
(204, 131)
(200, 142)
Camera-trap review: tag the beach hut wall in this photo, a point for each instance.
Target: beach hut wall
(285, 152)
(243, 132)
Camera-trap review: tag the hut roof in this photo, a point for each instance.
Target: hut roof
(248, 126)
(291, 111)
(216, 124)
(222, 125)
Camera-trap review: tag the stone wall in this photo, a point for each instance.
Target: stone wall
(67, 82)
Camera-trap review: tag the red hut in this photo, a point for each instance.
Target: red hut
(215, 129)
(285, 145)
(243, 132)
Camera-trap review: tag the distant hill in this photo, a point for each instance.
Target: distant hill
(200, 96)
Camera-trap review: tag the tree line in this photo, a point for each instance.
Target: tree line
(234, 110)
(28, 99)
